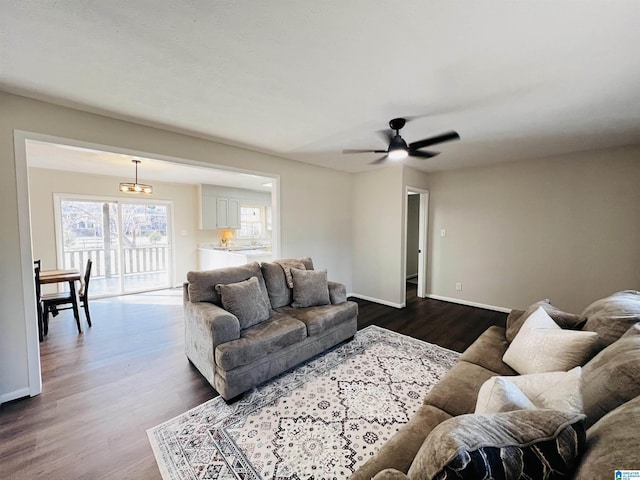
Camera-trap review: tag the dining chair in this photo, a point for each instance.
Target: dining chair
(51, 301)
(36, 271)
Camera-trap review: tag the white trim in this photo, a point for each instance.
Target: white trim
(470, 304)
(423, 227)
(20, 138)
(377, 300)
(28, 280)
(23, 392)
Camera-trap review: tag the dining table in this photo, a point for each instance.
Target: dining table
(60, 276)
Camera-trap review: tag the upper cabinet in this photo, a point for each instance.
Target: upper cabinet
(227, 212)
(220, 206)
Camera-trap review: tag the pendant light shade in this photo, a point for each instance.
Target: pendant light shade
(136, 187)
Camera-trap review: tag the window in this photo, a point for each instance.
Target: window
(251, 221)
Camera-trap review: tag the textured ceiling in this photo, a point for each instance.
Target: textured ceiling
(305, 79)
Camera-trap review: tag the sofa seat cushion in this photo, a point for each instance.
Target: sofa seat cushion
(457, 392)
(613, 443)
(260, 340)
(612, 377)
(611, 316)
(487, 351)
(322, 318)
(202, 285)
(399, 451)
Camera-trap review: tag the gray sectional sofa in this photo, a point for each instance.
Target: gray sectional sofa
(587, 435)
(247, 324)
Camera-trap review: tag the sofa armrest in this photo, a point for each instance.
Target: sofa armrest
(337, 292)
(212, 321)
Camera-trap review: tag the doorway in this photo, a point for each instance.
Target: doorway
(416, 228)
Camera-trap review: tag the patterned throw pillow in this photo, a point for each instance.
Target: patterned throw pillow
(534, 444)
(246, 301)
(542, 346)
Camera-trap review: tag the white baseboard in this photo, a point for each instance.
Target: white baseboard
(7, 397)
(470, 304)
(377, 300)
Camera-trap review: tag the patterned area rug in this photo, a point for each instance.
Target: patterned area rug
(321, 420)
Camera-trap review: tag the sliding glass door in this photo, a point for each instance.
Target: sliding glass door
(128, 242)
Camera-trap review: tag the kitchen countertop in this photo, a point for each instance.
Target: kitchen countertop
(235, 248)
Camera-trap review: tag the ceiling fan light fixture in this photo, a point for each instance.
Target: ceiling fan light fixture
(128, 187)
(398, 154)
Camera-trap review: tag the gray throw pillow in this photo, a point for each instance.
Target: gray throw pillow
(246, 301)
(540, 444)
(310, 288)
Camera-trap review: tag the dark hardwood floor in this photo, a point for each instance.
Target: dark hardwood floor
(103, 389)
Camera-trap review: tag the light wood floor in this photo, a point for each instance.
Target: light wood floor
(103, 389)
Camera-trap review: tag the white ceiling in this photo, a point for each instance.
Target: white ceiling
(96, 162)
(305, 79)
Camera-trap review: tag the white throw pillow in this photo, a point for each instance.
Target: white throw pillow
(551, 390)
(542, 346)
(498, 395)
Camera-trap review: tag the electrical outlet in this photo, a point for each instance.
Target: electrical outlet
(458, 286)
(443, 232)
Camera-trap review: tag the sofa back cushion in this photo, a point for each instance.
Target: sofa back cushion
(611, 316)
(565, 320)
(612, 377)
(280, 294)
(202, 285)
(612, 444)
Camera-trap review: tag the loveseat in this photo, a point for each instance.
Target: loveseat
(484, 415)
(247, 324)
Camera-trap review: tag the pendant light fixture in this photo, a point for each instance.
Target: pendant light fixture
(136, 187)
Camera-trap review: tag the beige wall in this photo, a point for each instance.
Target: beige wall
(378, 232)
(564, 228)
(43, 184)
(315, 209)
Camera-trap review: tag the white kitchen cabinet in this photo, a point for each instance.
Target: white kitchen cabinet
(218, 212)
(227, 213)
(208, 209)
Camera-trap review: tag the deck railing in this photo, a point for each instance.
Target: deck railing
(136, 260)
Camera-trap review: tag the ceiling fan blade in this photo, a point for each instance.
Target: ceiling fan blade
(353, 150)
(378, 161)
(350, 150)
(422, 153)
(445, 137)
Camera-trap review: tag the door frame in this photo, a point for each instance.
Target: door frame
(423, 229)
(20, 138)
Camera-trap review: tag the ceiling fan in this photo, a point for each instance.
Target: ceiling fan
(398, 148)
